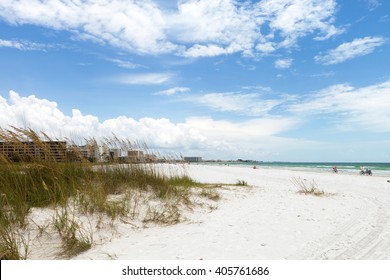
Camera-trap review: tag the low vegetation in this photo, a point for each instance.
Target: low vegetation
(211, 192)
(75, 237)
(241, 183)
(78, 186)
(307, 187)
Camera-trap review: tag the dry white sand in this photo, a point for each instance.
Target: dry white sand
(269, 220)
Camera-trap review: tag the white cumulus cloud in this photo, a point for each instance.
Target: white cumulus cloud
(191, 28)
(44, 115)
(297, 18)
(200, 135)
(132, 25)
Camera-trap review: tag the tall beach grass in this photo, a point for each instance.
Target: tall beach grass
(79, 186)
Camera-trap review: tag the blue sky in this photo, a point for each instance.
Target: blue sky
(289, 80)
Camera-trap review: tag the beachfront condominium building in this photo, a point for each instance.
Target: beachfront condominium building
(135, 156)
(92, 152)
(30, 151)
(115, 153)
(192, 159)
(151, 158)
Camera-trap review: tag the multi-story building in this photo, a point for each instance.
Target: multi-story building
(115, 153)
(29, 150)
(59, 151)
(135, 156)
(151, 158)
(192, 159)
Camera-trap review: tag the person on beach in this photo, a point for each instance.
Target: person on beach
(364, 171)
(335, 169)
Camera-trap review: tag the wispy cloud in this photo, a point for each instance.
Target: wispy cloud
(353, 108)
(124, 63)
(347, 51)
(323, 74)
(144, 79)
(23, 45)
(373, 4)
(283, 63)
(383, 19)
(207, 51)
(251, 104)
(173, 91)
(253, 129)
(193, 29)
(257, 88)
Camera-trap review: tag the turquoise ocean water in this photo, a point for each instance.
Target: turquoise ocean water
(380, 169)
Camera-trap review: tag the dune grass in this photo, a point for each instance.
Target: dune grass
(307, 187)
(241, 183)
(77, 185)
(210, 193)
(75, 238)
(13, 243)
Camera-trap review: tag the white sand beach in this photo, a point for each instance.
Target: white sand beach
(268, 220)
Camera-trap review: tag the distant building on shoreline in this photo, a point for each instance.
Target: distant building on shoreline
(134, 156)
(60, 151)
(30, 151)
(193, 159)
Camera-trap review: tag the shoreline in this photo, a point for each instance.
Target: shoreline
(328, 169)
